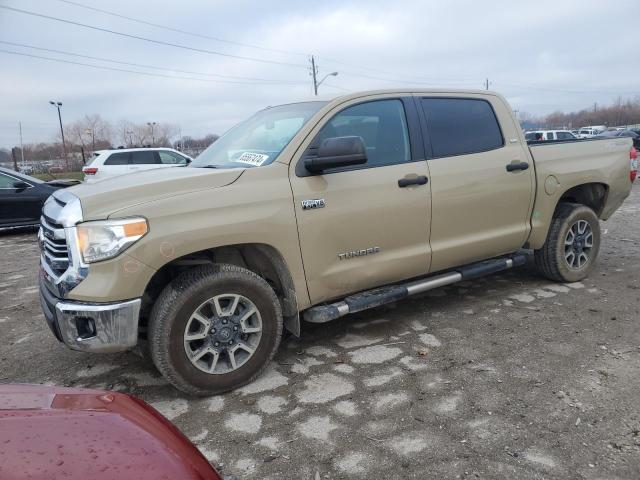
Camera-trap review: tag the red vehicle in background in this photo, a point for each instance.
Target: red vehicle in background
(78, 434)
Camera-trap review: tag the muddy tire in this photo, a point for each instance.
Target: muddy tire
(572, 244)
(214, 328)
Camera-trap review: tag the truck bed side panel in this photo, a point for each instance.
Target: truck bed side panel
(564, 165)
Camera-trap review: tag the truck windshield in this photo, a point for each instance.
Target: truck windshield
(258, 140)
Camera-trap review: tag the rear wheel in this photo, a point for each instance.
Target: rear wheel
(214, 328)
(572, 244)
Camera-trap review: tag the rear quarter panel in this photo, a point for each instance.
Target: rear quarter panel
(561, 166)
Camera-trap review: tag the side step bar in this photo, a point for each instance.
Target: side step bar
(387, 294)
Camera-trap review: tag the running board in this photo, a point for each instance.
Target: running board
(382, 295)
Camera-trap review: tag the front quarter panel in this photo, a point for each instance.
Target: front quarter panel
(257, 208)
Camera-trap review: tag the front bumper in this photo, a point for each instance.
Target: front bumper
(92, 327)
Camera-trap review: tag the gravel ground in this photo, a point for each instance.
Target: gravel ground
(509, 376)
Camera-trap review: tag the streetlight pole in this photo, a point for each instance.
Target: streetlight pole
(314, 75)
(90, 131)
(153, 139)
(64, 146)
(130, 133)
(332, 74)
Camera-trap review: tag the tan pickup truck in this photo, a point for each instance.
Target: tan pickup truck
(317, 210)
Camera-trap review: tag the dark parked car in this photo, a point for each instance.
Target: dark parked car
(623, 133)
(56, 433)
(22, 197)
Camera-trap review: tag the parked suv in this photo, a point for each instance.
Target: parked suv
(111, 163)
(540, 135)
(315, 210)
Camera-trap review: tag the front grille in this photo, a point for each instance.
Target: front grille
(54, 245)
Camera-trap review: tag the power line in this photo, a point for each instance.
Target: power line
(150, 40)
(189, 72)
(231, 42)
(421, 81)
(103, 67)
(178, 30)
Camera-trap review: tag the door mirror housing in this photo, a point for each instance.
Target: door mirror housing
(337, 152)
(20, 185)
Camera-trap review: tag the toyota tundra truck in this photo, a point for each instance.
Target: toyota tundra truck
(313, 211)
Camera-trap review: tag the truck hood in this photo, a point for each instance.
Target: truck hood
(100, 199)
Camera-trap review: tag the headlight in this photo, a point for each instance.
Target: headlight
(105, 239)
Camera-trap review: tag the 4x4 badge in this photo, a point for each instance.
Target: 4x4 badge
(315, 203)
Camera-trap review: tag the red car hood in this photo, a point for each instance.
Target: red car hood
(54, 433)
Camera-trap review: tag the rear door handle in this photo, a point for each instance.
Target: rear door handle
(420, 180)
(513, 167)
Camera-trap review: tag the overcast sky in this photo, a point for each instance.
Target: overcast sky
(543, 56)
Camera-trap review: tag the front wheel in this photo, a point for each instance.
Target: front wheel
(214, 328)
(572, 244)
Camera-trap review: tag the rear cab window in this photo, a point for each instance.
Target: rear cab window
(459, 126)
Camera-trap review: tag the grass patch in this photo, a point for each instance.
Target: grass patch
(54, 176)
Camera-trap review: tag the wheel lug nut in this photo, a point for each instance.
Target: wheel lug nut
(230, 342)
(213, 330)
(235, 328)
(224, 322)
(216, 344)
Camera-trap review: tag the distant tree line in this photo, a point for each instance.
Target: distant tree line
(92, 132)
(619, 113)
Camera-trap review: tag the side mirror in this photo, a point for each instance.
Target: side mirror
(20, 185)
(337, 152)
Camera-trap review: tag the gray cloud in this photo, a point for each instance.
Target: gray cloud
(543, 56)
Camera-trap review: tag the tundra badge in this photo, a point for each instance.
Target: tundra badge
(358, 253)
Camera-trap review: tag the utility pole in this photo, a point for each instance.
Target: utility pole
(314, 73)
(64, 146)
(21, 147)
(486, 84)
(15, 159)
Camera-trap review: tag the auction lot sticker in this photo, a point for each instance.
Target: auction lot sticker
(255, 159)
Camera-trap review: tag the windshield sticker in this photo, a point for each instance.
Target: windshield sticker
(255, 159)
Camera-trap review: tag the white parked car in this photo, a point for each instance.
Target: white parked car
(591, 131)
(110, 163)
(538, 135)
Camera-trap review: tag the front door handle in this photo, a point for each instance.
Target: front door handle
(513, 167)
(419, 180)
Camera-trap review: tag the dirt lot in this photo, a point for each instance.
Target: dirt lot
(510, 376)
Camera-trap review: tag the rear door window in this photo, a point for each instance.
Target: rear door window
(145, 157)
(550, 136)
(120, 158)
(459, 126)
